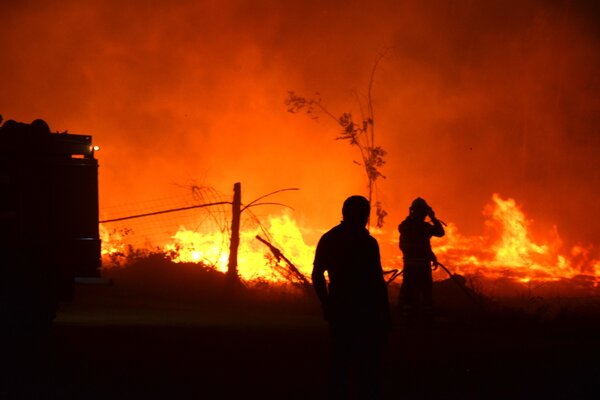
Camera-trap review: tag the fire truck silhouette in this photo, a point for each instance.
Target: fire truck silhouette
(48, 219)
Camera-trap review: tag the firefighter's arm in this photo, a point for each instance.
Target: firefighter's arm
(437, 227)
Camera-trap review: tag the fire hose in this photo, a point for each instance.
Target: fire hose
(459, 283)
(396, 273)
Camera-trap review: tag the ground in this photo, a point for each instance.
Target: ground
(108, 344)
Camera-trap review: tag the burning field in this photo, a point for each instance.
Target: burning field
(489, 110)
(509, 255)
(477, 107)
(507, 260)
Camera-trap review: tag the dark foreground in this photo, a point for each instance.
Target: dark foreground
(164, 351)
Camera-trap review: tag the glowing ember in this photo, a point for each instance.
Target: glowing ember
(112, 242)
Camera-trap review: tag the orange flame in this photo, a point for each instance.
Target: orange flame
(113, 243)
(506, 252)
(254, 260)
(514, 254)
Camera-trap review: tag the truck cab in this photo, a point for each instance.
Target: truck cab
(48, 217)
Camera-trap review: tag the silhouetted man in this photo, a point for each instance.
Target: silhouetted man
(415, 235)
(356, 302)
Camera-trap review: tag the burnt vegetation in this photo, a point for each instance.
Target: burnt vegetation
(154, 278)
(151, 277)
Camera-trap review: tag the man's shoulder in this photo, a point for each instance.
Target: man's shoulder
(372, 241)
(332, 233)
(340, 232)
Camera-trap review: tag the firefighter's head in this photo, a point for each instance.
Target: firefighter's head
(356, 210)
(419, 208)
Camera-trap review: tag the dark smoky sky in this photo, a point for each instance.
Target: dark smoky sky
(471, 98)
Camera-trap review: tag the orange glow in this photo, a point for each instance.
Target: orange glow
(507, 251)
(212, 249)
(472, 98)
(112, 242)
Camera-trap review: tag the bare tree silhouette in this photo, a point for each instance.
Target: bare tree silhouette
(360, 134)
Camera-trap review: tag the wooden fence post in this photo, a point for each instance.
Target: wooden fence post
(232, 271)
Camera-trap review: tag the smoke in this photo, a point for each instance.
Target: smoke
(504, 101)
(471, 99)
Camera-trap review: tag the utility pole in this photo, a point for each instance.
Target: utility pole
(236, 206)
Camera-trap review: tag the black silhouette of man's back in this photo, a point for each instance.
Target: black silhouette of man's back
(356, 301)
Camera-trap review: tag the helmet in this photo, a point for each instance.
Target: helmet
(419, 206)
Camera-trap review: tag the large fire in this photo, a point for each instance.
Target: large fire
(211, 249)
(254, 259)
(472, 97)
(506, 252)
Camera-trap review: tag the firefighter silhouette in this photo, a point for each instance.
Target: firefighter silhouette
(355, 303)
(419, 259)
